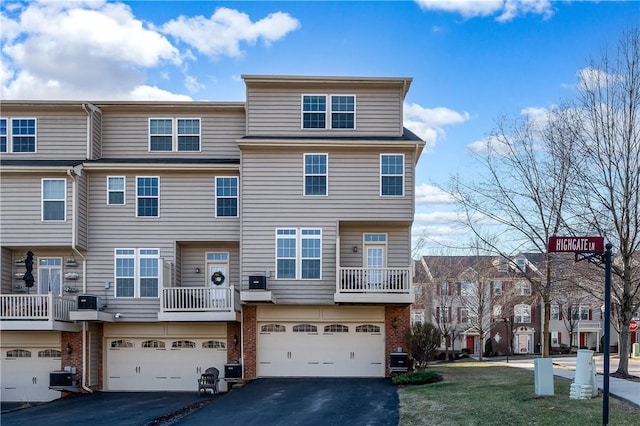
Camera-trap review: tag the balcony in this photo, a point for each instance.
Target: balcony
(199, 304)
(374, 285)
(37, 312)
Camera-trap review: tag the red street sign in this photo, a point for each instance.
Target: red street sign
(633, 325)
(575, 244)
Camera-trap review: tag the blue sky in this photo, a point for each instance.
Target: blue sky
(472, 61)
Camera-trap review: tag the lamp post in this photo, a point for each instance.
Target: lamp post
(506, 322)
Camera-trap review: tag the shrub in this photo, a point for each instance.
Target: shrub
(488, 347)
(423, 339)
(416, 378)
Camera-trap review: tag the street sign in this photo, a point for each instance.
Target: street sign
(575, 244)
(633, 325)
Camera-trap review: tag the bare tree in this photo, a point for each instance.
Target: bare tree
(475, 298)
(609, 190)
(527, 169)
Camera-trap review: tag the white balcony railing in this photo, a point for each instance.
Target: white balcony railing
(36, 307)
(199, 299)
(374, 280)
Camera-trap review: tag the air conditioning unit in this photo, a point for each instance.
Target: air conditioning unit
(257, 282)
(89, 302)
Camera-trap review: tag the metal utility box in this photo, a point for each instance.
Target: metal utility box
(233, 371)
(60, 378)
(257, 282)
(398, 361)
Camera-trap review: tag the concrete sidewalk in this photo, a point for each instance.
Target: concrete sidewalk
(626, 390)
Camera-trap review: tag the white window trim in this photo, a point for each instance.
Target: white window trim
(304, 174)
(124, 191)
(10, 135)
(136, 271)
(330, 105)
(42, 200)
(554, 338)
(404, 182)
(519, 288)
(328, 111)
(520, 316)
(174, 133)
(138, 197)
(557, 312)
(299, 237)
(215, 196)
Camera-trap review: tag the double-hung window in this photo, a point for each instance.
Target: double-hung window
(18, 135)
(147, 196)
(555, 311)
(298, 253)
(54, 199)
(174, 134)
(115, 190)
(137, 272)
(523, 288)
(226, 196)
(315, 174)
(392, 174)
(341, 110)
(522, 313)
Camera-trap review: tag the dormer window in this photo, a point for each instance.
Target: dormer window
(341, 109)
(522, 265)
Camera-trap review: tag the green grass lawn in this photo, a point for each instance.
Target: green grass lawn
(475, 393)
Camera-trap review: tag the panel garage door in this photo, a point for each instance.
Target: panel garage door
(161, 364)
(25, 374)
(312, 349)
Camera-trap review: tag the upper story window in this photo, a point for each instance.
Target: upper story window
(54, 199)
(523, 288)
(147, 196)
(174, 134)
(444, 288)
(497, 288)
(115, 190)
(315, 174)
(468, 288)
(343, 112)
(227, 196)
(521, 264)
(522, 313)
(555, 311)
(580, 312)
(315, 111)
(137, 272)
(19, 137)
(298, 254)
(392, 174)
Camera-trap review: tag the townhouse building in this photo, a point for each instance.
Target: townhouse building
(164, 238)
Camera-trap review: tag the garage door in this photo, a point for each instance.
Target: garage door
(25, 374)
(161, 364)
(320, 349)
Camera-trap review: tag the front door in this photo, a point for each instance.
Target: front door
(374, 262)
(50, 276)
(524, 343)
(218, 277)
(471, 343)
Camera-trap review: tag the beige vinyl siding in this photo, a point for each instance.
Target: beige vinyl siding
(81, 221)
(272, 188)
(186, 215)
(278, 112)
(127, 135)
(6, 270)
(58, 136)
(398, 244)
(21, 200)
(192, 257)
(96, 135)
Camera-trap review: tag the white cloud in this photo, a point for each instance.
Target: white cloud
(591, 79)
(430, 195)
(507, 9)
(489, 144)
(222, 33)
(79, 50)
(192, 84)
(153, 93)
(428, 123)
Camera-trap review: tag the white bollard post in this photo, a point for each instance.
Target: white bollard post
(583, 367)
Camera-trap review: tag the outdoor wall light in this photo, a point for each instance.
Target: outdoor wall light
(69, 349)
(355, 249)
(235, 340)
(197, 270)
(394, 323)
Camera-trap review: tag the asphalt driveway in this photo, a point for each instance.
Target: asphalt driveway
(264, 402)
(309, 401)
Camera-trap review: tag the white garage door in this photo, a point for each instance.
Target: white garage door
(312, 349)
(25, 374)
(161, 363)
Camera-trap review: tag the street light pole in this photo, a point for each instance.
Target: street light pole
(607, 333)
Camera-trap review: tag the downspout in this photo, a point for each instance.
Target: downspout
(74, 208)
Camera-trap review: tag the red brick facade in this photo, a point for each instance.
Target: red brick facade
(397, 322)
(249, 340)
(234, 342)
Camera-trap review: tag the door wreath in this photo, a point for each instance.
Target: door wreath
(217, 278)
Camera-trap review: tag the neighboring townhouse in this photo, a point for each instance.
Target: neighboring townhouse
(476, 298)
(169, 237)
